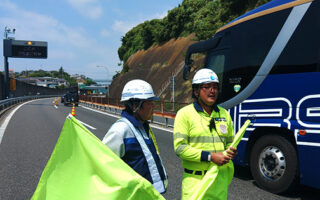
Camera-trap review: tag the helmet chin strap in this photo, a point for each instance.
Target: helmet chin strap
(138, 107)
(135, 112)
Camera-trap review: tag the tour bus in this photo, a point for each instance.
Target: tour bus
(268, 64)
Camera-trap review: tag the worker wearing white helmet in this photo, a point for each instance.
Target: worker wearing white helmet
(131, 137)
(202, 131)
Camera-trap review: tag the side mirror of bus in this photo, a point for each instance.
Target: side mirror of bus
(186, 70)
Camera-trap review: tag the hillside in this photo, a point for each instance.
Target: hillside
(156, 65)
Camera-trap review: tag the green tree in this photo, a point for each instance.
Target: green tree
(189, 13)
(55, 74)
(60, 86)
(72, 82)
(89, 81)
(207, 21)
(125, 68)
(39, 73)
(61, 72)
(158, 29)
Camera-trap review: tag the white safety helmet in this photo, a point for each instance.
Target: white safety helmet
(138, 89)
(205, 76)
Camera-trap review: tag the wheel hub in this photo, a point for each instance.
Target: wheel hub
(272, 163)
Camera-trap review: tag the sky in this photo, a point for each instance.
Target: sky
(81, 34)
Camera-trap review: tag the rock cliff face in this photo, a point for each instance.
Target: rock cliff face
(157, 65)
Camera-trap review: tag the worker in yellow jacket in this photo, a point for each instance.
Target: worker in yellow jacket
(202, 131)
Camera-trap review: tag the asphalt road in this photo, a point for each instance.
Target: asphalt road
(33, 131)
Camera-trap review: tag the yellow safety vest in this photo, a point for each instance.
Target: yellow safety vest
(192, 135)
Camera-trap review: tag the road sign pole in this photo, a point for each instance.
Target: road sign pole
(20, 49)
(6, 78)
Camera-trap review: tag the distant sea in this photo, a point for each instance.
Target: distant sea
(102, 82)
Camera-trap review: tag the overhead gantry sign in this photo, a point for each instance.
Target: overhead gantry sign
(25, 49)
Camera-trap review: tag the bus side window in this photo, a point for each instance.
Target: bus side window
(302, 53)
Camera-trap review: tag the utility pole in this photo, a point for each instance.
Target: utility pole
(6, 78)
(172, 80)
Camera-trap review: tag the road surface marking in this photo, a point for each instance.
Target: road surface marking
(8, 118)
(87, 125)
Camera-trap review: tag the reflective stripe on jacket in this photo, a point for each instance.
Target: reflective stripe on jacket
(193, 140)
(130, 141)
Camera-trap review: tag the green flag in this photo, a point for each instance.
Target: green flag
(240, 134)
(82, 167)
(214, 185)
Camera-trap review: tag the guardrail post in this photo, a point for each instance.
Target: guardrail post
(162, 106)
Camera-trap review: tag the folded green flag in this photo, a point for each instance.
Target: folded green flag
(82, 167)
(214, 185)
(240, 133)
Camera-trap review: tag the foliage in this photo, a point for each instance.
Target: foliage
(203, 17)
(72, 82)
(125, 68)
(116, 75)
(60, 87)
(39, 73)
(89, 81)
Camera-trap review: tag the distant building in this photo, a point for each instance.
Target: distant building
(79, 78)
(76, 76)
(94, 89)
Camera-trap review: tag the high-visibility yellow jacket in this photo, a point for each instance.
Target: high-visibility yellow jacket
(193, 140)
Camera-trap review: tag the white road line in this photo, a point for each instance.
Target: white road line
(87, 125)
(7, 120)
(161, 128)
(117, 116)
(104, 113)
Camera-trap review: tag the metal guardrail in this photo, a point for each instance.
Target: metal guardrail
(162, 106)
(7, 103)
(160, 118)
(102, 107)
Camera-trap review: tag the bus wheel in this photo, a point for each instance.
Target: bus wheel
(274, 164)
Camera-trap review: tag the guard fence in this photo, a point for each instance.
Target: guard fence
(7, 103)
(160, 106)
(164, 111)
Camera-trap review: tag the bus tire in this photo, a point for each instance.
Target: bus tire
(274, 164)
